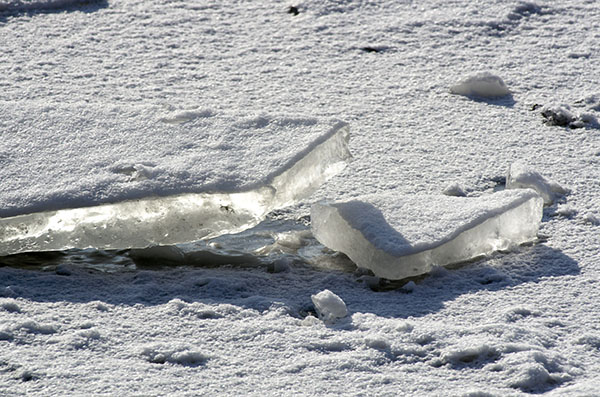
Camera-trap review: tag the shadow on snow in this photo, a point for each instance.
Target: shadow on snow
(51, 7)
(253, 286)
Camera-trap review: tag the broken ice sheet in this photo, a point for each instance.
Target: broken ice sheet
(217, 173)
(403, 236)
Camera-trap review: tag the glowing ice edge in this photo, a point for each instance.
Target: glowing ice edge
(501, 228)
(180, 218)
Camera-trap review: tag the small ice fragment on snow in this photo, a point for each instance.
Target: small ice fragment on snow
(329, 306)
(521, 176)
(483, 84)
(454, 189)
(399, 237)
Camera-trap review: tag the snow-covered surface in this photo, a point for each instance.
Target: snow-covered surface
(402, 236)
(58, 156)
(482, 84)
(510, 325)
(521, 176)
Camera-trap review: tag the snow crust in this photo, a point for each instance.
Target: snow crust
(482, 84)
(89, 322)
(398, 237)
(522, 176)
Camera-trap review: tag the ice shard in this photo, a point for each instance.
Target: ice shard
(178, 218)
(403, 236)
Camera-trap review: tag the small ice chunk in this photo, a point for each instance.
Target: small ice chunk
(482, 84)
(329, 306)
(454, 189)
(402, 236)
(521, 176)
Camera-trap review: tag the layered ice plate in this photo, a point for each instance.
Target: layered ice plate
(403, 236)
(89, 175)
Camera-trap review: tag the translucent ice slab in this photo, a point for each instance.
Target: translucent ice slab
(398, 237)
(179, 218)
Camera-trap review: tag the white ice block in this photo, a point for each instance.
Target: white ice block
(403, 236)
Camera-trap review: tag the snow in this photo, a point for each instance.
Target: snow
(398, 237)
(521, 176)
(82, 154)
(482, 84)
(329, 306)
(512, 323)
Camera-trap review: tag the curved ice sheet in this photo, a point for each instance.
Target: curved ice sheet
(399, 237)
(179, 218)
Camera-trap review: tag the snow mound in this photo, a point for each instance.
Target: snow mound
(521, 176)
(483, 84)
(235, 194)
(33, 5)
(329, 306)
(403, 236)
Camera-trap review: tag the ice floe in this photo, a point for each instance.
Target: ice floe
(234, 184)
(402, 236)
